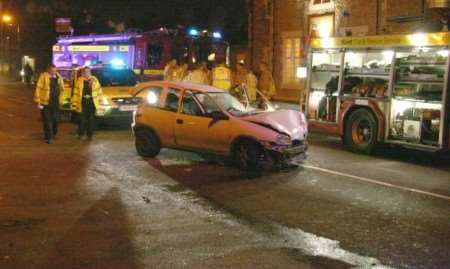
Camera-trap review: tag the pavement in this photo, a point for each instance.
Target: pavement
(81, 204)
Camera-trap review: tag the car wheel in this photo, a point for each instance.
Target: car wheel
(147, 143)
(361, 130)
(249, 155)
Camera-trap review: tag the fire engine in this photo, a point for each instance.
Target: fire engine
(146, 53)
(390, 89)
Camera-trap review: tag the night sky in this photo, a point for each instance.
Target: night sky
(36, 17)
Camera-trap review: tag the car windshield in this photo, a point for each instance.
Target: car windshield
(115, 77)
(216, 101)
(66, 74)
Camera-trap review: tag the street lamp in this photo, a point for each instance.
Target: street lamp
(6, 18)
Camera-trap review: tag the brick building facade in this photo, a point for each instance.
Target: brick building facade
(279, 30)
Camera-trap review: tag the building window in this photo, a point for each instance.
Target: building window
(291, 59)
(321, 7)
(319, 2)
(321, 26)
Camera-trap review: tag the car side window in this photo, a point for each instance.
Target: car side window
(207, 103)
(190, 106)
(172, 99)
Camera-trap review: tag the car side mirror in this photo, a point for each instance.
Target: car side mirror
(218, 115)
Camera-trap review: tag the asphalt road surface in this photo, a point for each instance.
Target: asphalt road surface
(80, 204)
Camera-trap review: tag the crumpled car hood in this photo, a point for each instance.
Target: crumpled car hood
(284, 121)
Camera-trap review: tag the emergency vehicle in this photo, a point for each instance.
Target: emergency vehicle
(389, 89)
(146, 53)
(117, 83)
(68, 75)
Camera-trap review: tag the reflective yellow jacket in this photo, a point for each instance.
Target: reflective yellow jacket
(221, 77)
(197, 76)
(266, 84)
(42, 92)
(251, 82)
(97, 93)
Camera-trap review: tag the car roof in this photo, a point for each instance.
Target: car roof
(182, 85)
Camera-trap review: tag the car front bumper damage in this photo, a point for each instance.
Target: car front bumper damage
(283, 156)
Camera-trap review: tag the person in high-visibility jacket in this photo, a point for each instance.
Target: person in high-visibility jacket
(251, 85)
(207, 71)
(198, 76)
(266, 82)
(239, 75)
(170, 70)
(221, 77)
(86, 99)
(49, 95)
(180, 72)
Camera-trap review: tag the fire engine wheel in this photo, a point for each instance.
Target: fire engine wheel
(248, 156)
(361, 131)
(147, 143)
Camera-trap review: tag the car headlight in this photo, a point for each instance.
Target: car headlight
(152, 98)
(283, 139)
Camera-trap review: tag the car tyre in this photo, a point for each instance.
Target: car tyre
(248, 156)
(361, 131)
(147, 143)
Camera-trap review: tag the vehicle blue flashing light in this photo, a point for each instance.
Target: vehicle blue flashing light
(117, 63)
(217, 35)
(194, 32)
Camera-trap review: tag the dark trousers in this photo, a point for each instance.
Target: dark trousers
(50, 120)
(86, 119)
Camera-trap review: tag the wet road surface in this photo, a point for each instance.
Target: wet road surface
(80, 204)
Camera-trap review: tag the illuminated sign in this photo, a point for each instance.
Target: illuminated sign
(89, 48)
(418, 39)
(153, 72)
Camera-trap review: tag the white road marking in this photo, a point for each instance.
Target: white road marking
(377, 182)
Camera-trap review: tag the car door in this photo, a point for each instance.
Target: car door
(158, 110)
(196, 130)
